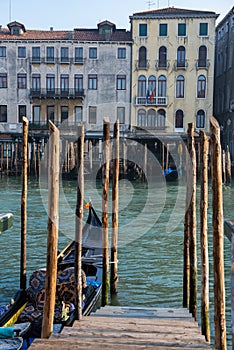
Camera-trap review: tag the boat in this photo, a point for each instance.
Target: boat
(171, 174)
(6, 221)
(28, 304)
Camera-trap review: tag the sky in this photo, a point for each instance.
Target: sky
(70, 14)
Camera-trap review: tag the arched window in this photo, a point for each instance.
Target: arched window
(181, 56)
(200, 119)
(202, 56)
(152, 88)
(162, 86)
(179, 119)
(142, 57)
(141, 86)
(141, 117)
(180, 86)
(201, 86)
(162, 57)
(151, 118)
(161, 118)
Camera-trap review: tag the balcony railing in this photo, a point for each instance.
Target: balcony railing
(56, 60)
(162, 65)
(144, 64)
(57, 93)
(202, 64)
(181, 64)
(151, 101)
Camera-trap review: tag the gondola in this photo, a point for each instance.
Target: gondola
(171, 174)
(27, 308)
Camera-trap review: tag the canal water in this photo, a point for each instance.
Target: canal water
(150, 252)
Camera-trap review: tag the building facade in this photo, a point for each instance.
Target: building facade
(172, 69)
(64, 76)
(224, 79)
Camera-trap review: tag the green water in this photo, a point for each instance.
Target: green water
(150, 250)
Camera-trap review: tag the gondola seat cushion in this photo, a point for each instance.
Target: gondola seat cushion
(65, 293)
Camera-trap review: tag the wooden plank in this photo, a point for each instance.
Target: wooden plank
(151, 328)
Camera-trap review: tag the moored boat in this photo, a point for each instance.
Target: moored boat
(28, 304)
(6, 221)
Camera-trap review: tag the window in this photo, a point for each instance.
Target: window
(50, 82)
(203, 29)
(36, 114)
(93, 52)
(64, 82)
(22, 81)
(179, 119)
(142, 29)
(36, 82)
(201, 86)
(121, 115)
(36, 54)
(3, 80)
(202, 56)
(121, 82)
(50, 54)
(78, 82)
(79, 54)
(141, 86)
(92, 115)
(163, 29)
(181, 29)
(152, 86)
(2, 51)
(3, 114)
(64, 113)
(22, 52)
(121, 52)
(64, 54)
(161, 119)
(50, 113)
(162, 86)
(200, 119)
(180, 86)
(162, 57)
(181, 56)
(92, 81)
(141, 117)
(142, 63)
(15, 31)
(78, 114)
(21, 113)
(151, 118)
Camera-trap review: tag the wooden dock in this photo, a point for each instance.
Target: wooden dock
(121, 328)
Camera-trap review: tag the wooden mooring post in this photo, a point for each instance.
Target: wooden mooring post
(205, 323)
(192, 226)
(105, 198)
(79, 217)
(115, 208)
(52, 241)
(24, 206)
(228, 167)
(217, 226)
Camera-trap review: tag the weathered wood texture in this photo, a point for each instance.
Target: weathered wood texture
(217, 226)
(205, 323)
(129, 328)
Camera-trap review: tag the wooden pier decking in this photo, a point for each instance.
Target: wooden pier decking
(121, 328)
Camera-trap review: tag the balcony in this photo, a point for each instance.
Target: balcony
(57, 94)
(162, 65)
(181, 65)
(202, 64)
(142, 65)
(151, 101)
(57, 60)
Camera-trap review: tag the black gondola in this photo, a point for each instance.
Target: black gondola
(27, 307)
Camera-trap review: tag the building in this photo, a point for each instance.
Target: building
(172, 70)
(63, 76)
(224, 79)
